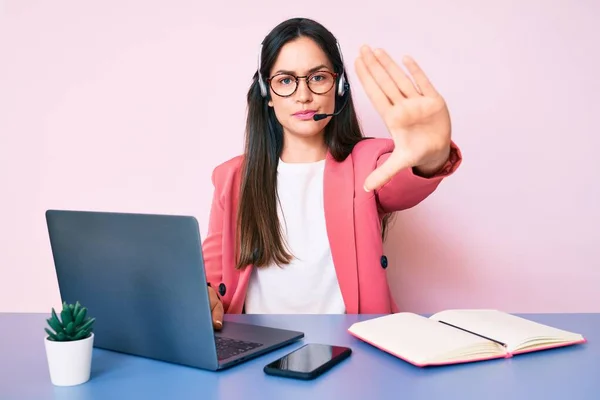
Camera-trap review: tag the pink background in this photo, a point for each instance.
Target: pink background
(128, 105)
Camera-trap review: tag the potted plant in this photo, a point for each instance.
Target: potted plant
(69, 345)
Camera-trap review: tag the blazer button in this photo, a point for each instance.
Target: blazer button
(222, 289)
(384, 262)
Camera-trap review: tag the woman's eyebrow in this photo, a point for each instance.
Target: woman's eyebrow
(318, 67)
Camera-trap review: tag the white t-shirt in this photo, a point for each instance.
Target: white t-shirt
(308, 285)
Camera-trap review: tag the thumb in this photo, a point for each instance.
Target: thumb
(386, 171)
(217, 315)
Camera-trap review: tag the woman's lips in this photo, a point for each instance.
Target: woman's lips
(305, 114)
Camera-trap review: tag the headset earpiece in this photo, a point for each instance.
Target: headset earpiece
(263, 87)
(261, 82)
(343, 85)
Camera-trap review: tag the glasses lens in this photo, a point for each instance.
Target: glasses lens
(283, 85)
(321, 82)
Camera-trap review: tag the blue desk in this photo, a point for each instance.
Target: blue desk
(566, 373)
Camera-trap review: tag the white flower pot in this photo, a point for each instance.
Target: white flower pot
(69, 363)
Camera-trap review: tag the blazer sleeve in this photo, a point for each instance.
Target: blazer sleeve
(407, 189)
(212, 246)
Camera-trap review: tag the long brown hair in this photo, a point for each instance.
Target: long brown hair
(258, 227)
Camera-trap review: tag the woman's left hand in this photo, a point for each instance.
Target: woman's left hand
(415, 114)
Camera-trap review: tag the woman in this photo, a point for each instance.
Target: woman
(296, 221)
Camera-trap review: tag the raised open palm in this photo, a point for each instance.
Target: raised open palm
(415, 114)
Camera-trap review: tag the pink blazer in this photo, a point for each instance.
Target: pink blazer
(353, 220)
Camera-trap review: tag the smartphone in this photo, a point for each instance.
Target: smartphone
(308, 362)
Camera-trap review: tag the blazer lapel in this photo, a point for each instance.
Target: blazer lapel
(338, 192)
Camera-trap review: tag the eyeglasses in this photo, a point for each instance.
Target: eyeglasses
(285, 85)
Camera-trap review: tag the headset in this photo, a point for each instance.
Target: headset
(342, 86)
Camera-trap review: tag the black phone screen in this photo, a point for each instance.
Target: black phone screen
(308, 359)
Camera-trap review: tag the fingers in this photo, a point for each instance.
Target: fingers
(216, 309)
(392, 80)
(378, 98)
(386, 171)
(379, 75)
(419, 76)
(401, 79)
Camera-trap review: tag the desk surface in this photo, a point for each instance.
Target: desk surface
(565, 373)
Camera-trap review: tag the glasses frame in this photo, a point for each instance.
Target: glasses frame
(305, 77)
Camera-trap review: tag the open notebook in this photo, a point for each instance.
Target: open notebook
(459, 336)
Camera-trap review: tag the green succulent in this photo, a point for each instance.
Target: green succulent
(74, 324)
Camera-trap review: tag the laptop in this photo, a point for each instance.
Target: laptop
(142, 277)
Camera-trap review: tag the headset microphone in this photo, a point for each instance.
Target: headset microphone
(318, 117)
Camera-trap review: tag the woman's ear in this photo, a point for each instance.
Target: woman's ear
(270, 103)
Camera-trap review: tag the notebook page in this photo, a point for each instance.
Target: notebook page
(419, 339)
(507, 328)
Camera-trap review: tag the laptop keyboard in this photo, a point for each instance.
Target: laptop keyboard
(227, 347)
